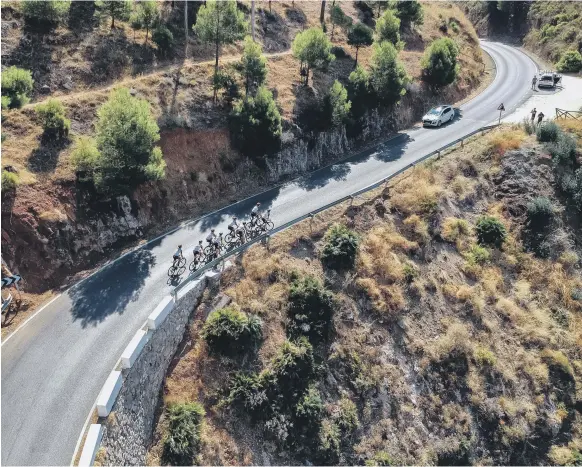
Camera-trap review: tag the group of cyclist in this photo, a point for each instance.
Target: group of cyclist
(216, 242)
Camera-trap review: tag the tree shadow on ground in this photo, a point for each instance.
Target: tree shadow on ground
(322, 177)
(45, 157)
(110, 291)
(276, 34)
(110, 58)
(82, 17)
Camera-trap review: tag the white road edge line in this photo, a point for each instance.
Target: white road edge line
(78, 445)
(28, 319)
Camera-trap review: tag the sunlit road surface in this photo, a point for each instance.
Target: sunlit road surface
(53, 368)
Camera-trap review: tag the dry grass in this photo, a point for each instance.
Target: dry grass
(501, 141)
(418, 194)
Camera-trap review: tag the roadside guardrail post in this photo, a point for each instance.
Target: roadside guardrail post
(351, 199)
(310, 222)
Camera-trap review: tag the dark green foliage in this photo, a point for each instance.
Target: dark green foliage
(163, 38)
(439, 63)
(309, 411)
(293, 367)
(339, 52)
(571, 62)
(115, 9)
(339, 104)
(46, 14)
(540, 213)
(231, 332)
(381, 458)
(388, 28)
(341, 246)
(253, 66)
(360, 35)
(126, 133)
(361, 93)
(146, 15)
(563, 151)
(225, 81)
(409, 12)
(54, 122)
(16, 86)
(329, 443)
(313, 49)
(255, 125)
(310, 309)
(387, 76)
(548, 132)
(182, 441)
(490, 231)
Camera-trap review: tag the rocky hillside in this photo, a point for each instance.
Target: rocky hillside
(436, 321)
(54, 224)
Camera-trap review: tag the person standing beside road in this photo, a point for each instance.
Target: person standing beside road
(533, 114)
(540, 117)
(534, 82)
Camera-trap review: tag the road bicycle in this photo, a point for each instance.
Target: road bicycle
(197, 263)
(211, 252)
(261, 225)
(234, 238)
(178, 267)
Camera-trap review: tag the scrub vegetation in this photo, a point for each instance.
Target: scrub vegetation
(420, 324)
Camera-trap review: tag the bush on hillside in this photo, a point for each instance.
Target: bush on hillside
(182, 441)
(293, 367)
(570, 62)
(563, 151)
(309, 411)
(46, 13)
(5, 103)
(341, 246)
(361, 93)
(16, 87)
(226, 81)
(359, 36)
(228, 331)
(52, 116)
(388, 29)
(339, 104)
(540, 213)
(310, 309)
(164, 39)
(329, 443)
(85, 155)
(409, 12)
(9, 181)
(253, 66)
(490, 231)
(388, 76)
(439, 63)
(313, 49)
(126, 133)
(255, 124)
(548, 132)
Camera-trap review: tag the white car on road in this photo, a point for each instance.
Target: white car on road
(438, 115)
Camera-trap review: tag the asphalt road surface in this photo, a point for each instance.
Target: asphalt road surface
(53, 367)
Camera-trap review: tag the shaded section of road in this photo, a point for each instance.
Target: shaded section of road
(53, 368)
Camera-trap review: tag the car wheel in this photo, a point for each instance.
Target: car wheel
(439, 123)
(451, 117)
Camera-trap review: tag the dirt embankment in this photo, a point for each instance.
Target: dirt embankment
(440, 350)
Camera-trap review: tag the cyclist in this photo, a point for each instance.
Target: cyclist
(255, 213)
(236, 228)
(211, 237)
(178, 255)
(533, 114)
(198, 251)
(540, 117)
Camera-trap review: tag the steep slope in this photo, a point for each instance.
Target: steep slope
(440, 348)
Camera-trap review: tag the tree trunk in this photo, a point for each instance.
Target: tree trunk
(186, 28)
(322, 14)
(270, 6)
(332, 29)
(147, 31)
(357, 50)
(112, 21)
(253, 19)
(216, 52)
(307, 77)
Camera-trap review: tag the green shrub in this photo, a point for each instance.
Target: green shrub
(182, 441)
(388, 28)
(5, 102)
(16, 86)
(253, 66)
(341, 246)
(229, 331)
(360, 92)
(347, 416)
(339, 104)
(115, 9)
(309, 411)
(52, 116)
(490, 231)
(410, 272)
(388, 76)
(359, 36)
(381, 458)
(439, 63)
(293, 366)
(570, 62)
(454, 26)
(85, 155)
(310, 309)
(339, 52)
(528, 126)
(409, 12)
(225, 81)
(9, 181)
(329, 443)
(540, 213)
(126, 134)
(163, 38)
(477, 255)
(255, 125)
(312, 48)
(563, 151)
(46, 13)
(548, 132)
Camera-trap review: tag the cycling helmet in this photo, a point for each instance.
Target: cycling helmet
(212, 230)
(179, 246)
(200, 242)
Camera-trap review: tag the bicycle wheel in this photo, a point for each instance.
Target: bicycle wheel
(181, 270)
(269, 225)
(172, 271)
(182, 263)
(230, 238)
(208, 251)
(193, 265)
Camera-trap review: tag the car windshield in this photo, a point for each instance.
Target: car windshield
(435, 111)
(547, 78)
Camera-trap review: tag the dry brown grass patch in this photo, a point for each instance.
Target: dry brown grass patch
(499, 142)
(420, 193)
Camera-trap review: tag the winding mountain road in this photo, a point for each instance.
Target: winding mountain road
(54, 366)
